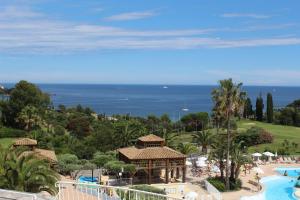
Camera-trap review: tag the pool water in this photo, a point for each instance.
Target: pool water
(292, 172)
(278, 187)
(87, 179)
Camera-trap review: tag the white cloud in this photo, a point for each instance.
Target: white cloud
(259, 77)
(245, 15)
(34, 33)
(131, 16)
(10, 12)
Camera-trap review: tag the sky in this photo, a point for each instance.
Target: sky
(150, 41)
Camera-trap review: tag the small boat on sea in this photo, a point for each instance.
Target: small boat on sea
(165, 87)
(185, 109)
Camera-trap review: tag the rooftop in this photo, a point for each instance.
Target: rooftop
(151, 138)
(25, 142)
(148, 153)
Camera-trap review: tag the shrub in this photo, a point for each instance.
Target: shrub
(255, 136)
(265, 137)
(219, 183)
(11, 133)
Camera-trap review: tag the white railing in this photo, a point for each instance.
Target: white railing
(213, 191)
(85, 191)
(10, 194)
(120, 182)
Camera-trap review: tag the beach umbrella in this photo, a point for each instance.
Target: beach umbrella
(256, 154)
(191, 196)
(202, 158)
(269, 154)
(258, 170)
(201, 164)
(216, 169)
(188, 163)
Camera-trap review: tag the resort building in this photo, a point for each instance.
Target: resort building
(41, 153)
(154, 162)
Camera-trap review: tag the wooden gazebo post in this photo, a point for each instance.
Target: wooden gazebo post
(149, 171)
(167, 171)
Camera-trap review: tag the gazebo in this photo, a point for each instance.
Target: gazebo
(154, 161)
(40, 153)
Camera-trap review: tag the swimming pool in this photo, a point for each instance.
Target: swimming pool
(292, 172)
(87, 179)
(278, 187)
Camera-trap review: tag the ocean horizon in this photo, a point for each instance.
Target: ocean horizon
(145, 99)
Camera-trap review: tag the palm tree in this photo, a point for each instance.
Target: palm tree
(25, 172)
(187, 148)
(204, 138)
(238, 159)
(229, 100)
(29, 117)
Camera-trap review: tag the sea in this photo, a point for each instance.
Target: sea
(144, 100)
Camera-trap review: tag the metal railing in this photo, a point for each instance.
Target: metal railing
(11, 194)
(213, 191)
(119, 182)
(85, 191)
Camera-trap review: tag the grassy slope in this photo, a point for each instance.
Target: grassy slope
(279, 132)
(6, 142)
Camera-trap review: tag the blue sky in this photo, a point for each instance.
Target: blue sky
(150, 42)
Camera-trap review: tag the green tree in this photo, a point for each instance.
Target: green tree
(259, 108)
(205, 139)
(269, 108)
(229, 100)
(29, 118)
(195, 121)
(127, 131)
(24, 94)
(187, 148)
(100, 159)
(68, 163)
(248, 110)
(26, 173)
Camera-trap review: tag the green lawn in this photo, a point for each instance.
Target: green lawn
(6, 142)
(280, 133)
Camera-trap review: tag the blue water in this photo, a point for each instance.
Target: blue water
(279, 188)
(292, 172)
(84, 179)
(142, 100)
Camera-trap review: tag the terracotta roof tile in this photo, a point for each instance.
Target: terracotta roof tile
(50, 155)
(151, 138)
(25, 142)
(134, 153)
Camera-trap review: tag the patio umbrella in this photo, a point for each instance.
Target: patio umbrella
(202, 158)
(256, 154)
(258, 170)
(201, 164)
(188, 163)
(269, 154)
(191, 196)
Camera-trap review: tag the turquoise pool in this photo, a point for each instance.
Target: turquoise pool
(292, 172)
(278, 187)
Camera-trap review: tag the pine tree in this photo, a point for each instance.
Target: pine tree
(269, 108)
(248, 111)
(259, 108)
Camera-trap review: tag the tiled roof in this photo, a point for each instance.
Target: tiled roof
(42, 154)
(134, 153)
(25, 142)
(151, 138)
(50, 155)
